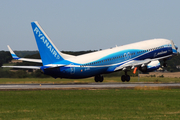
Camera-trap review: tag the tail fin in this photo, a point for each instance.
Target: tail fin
(48, 51)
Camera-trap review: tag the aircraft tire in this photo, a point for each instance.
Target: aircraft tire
(123, 78)
(101, 79)
(127, 78)
(96, 79)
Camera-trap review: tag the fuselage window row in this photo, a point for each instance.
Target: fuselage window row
(93, 63)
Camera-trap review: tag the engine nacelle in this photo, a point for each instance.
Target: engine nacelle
(153, 65)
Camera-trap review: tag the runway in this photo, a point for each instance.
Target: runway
(86, 86)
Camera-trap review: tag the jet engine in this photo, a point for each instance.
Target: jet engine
(153, 65)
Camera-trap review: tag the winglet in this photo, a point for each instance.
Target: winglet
(174, 48)
(12, 53)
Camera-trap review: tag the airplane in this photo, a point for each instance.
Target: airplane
(144, 56)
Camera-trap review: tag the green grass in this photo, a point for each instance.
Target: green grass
(90, 104)
(88, 80)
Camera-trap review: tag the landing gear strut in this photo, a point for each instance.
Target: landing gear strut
(125, 77)
(98, 78)
(164, 63)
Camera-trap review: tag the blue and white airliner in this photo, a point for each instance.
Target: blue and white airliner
(143, 55)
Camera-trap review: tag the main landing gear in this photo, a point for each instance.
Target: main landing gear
(98, 78)
(125, 77)
(164, 63)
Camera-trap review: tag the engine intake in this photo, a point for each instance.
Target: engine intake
(153, 65)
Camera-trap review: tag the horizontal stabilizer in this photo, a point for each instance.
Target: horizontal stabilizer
(24, 67)
(23, 59)
(31, 60)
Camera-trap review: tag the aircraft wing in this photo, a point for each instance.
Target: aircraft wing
(136, 63)
(23, 59)
(132, 64)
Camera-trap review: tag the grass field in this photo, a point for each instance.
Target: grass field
(90, 104)
(88, 80)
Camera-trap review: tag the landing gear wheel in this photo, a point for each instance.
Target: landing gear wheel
(101, 79)
(127, 78)
(98, 78)
(123, 78)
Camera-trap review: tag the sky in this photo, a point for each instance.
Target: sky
(75, 25)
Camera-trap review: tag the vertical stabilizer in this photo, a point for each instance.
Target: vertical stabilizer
(48, 51)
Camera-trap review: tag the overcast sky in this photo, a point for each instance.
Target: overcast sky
(75, 25)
